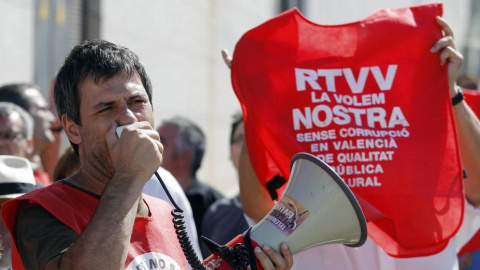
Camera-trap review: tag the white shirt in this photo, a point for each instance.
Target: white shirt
(154, 188)
(371, 257)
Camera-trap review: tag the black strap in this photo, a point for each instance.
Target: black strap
(248, 243)
(457, 98)
(274, 184)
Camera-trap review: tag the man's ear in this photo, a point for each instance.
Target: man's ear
(71, 129)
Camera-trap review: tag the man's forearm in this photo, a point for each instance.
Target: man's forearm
(256, 201)
(468, 130)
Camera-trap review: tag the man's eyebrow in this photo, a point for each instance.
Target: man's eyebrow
(138, 95)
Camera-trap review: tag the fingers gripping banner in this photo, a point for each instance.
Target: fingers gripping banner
(369, 99)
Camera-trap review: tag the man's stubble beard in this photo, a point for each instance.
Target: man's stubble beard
(98, 158)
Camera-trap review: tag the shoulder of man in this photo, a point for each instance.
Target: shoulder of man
(39, 236)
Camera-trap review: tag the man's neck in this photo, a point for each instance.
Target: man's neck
(87, 181)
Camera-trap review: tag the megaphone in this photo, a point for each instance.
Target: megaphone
(316, 208)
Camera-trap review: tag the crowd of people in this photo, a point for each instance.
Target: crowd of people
(103, 207)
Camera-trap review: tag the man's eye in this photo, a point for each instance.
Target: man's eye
(139, 101)
(105, 109)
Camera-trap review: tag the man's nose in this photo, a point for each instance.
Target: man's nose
(126, 116)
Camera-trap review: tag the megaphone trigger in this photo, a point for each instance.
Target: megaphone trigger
(236, 254)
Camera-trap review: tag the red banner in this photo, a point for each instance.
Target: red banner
(370, 100)
(472, 97)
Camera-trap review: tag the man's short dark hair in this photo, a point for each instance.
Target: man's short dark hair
(189, 137)
(101, 60)
(15, 93)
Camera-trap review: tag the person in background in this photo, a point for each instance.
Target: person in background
(16, 134)
(225, 219)
(16, 179)
(29, 97)
(16, 131)
(184, 146)
(470, 260)
(257, 202)
(468, 81)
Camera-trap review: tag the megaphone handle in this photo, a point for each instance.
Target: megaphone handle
(215, 261)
